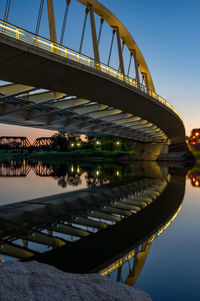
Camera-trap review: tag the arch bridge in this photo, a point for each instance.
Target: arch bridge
(79, 93)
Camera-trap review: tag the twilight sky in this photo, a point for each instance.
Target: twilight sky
(167, 33)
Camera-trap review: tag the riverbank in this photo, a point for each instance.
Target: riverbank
(89, 155)
(102, 155)
(36, 281)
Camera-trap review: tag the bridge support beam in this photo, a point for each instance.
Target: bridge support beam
(146, 81)
(120, 52)
(136, 67)
(94, 37)
(13, 89)
(52, 25)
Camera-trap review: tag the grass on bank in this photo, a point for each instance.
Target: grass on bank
(61, 156)
(79, 154)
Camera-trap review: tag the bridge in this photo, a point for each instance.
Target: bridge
(54, 229)
(9, 142)
(83, 94)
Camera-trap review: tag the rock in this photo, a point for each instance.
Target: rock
(33, 281)
(171, 157)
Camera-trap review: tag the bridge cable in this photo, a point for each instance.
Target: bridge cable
(83, 31)
(7, 10)
(111, 45)
(142, 80)
(39, 17)
(100, 30)
(129, 65)
(64, 21)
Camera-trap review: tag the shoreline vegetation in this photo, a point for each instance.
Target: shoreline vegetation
(196, 155)
(65, 146)
(90, 155)
(81, 155)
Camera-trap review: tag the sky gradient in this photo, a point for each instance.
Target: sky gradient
(167, 33)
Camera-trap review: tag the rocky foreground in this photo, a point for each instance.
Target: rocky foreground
(33, 281)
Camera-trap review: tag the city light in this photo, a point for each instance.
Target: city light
(195, 181)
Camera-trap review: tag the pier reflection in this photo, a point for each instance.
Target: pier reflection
(100, 229)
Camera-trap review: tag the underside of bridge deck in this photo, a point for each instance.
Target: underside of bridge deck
(36, 68)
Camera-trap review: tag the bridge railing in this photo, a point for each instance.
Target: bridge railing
(40, 42)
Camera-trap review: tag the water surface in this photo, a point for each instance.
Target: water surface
(155, 248)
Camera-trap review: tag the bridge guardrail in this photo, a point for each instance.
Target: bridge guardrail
(40, 42)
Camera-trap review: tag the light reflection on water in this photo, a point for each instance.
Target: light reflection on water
(22, 180)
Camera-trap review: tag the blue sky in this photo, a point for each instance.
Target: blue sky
(167, 33)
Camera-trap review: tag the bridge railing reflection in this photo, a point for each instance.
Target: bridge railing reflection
(134, 260)
(47, 45)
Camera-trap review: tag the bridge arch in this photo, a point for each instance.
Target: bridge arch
(114, 22)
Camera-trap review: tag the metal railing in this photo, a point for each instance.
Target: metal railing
(34, 40)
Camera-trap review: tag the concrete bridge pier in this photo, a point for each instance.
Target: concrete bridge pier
(161, 152)
(150, 151)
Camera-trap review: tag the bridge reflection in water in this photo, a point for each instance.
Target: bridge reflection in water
(68, 173)
(99, 229)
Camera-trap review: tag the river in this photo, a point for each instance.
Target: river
(137, 223)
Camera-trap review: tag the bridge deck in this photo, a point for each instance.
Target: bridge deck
(41, 69)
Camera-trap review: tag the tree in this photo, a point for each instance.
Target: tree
(65, 141)
(60, 141)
